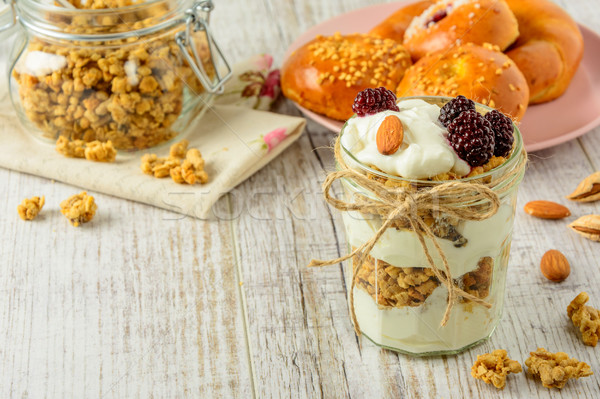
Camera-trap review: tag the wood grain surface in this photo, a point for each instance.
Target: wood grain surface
(145, 303)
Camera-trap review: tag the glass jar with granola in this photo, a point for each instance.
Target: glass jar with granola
(430, 188)
(130, 71)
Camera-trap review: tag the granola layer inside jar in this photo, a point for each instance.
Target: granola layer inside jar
(393, 286)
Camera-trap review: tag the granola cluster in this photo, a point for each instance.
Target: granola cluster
(494, 162)
(478, 281)
(191, 170)
(555, 369)
(128, 91)
(93, 151)
(392, 286)
(492, 368)
(157, 166)
(71, 149)
(30, 207)
(102, 4)
(100, 152)
(79, 208)
(586, 318)
(445, 227)
(178, 150)
(183, 171)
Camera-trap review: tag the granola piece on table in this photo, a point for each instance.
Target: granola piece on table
(79, 208)
(492, 368)
(555, 369)
(586, 318)
(31, 207)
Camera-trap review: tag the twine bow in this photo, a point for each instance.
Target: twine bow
(401, 204)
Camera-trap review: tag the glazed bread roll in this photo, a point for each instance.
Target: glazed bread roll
(465, 21)
(481, 73)
(396, 24)
(549, 49)
(326, 74)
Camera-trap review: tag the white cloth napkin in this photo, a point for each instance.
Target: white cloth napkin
(234, 140)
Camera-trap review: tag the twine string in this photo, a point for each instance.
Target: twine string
(401, 204)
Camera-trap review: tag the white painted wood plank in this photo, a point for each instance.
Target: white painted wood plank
(591, 146)
(138, 302)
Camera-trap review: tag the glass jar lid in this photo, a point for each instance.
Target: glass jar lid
(128, 21)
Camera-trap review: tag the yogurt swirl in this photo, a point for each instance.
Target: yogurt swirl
(424, 152)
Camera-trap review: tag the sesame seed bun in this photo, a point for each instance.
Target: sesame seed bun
(468, 21)
(326, 74)
(481, 73)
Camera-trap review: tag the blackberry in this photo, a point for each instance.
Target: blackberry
(472, 137)
(503, 132)
(372, 101)
(453, 108)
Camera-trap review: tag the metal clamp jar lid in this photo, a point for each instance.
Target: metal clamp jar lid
(195, 18)
(136, 74)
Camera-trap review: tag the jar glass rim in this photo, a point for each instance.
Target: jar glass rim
(51, 7)
(44, 19)
(514, 157)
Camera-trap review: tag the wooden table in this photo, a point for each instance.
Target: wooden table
(146, 303)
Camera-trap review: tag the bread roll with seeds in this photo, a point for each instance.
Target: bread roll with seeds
(394, 26)
(549, 49)
(450, 22)
(481, 73)
(326, 74)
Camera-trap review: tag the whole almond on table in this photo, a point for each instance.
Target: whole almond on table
(555, 266)
(390, 135)
(587, 226)
(588, 190)
(547, 210)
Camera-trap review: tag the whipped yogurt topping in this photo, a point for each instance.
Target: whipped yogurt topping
(424, 152)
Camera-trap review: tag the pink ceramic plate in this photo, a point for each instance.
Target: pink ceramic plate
(573, 114)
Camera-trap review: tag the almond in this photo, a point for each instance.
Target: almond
(555, 266)
(546, 210)
(390, 135)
